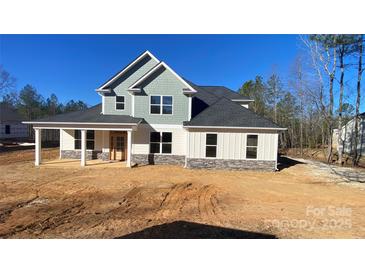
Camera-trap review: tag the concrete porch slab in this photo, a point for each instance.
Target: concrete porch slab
(75, 163)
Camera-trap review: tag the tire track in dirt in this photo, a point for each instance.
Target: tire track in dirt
(208, 204)
(48, 223)
(5, 213)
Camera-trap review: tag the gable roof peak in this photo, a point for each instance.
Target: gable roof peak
(104, 87)
(189, 89)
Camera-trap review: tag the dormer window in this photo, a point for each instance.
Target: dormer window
(119, 103)
(161, 104)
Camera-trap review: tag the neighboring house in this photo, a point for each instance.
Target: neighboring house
(149, 114)
(348, 137)
(11, 126)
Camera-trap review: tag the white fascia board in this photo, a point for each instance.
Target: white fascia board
(243, 100)
(88, 128)
(133, 86)
(267, 128)
(80, 123)
(101, 89)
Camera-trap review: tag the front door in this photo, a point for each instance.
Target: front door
(118, 148)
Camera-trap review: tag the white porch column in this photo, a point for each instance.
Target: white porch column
(129, 148)
(83, 147)
(38, 146)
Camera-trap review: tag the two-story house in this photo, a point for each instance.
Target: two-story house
(151, 115)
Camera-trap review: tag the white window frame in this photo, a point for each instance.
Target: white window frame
(74, 135)
(161, 142)
(206, 145)
(119, 103)
(161, 104)
(257, 147)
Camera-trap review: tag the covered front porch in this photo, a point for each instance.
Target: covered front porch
(74, 163)
(89, 145)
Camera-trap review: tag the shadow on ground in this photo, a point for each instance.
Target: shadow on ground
(190, 230)
(285, 162)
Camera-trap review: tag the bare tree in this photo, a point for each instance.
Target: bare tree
(355, 159)
(7, 82)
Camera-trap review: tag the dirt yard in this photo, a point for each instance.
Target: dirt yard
(173, 202)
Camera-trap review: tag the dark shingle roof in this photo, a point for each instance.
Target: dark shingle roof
(91, 115)
(225, 113)
(221, 91)
(217, 91)
(9, 114)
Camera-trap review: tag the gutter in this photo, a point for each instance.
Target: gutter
(222, 127)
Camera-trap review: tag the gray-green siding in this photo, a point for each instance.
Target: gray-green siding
(120, 88)
(166, 83)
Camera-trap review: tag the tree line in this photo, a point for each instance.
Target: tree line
(30, 103)
(305, 104)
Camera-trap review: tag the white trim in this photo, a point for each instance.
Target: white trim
(61, 142)
(161, 104)
(216, 146)
(132, 104)
(126, 69)
(163, 126)
(116, 102)
(243, 100)
(81, 123)
(83, 147)
(133, 88)
(129, 148)
(190, 108)
(86, 128)
(247, 146)
(187, 148)
(221, 127)
(102, 104)
(161, 133)
(38, 146)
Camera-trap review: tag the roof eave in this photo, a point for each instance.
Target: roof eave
(103, 91)
(81, 123)
(243, 100)
(232, 127)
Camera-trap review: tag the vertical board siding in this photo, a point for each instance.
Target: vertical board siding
(141, 139)
(232, 145)
(67, 139)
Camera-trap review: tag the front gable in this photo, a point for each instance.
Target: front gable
(163, 82)
(143, 78)
(119, 84)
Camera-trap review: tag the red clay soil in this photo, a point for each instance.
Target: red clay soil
(172, 202)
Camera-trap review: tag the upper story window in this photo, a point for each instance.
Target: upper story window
(7, 129)
(90, 137)
(211, 146)
(161, 104)
(251, 147)
(160, 142)
(119, 103)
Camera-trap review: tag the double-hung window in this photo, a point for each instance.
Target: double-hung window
(90, 137)
(160, 142)
(211, 145)
(251, 147)
(161, 104)
(119, 103)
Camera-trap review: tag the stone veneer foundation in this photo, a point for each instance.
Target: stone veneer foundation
(159, 159)
(90, 154)
(231, 164)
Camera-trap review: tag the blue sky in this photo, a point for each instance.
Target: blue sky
(72, 66)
